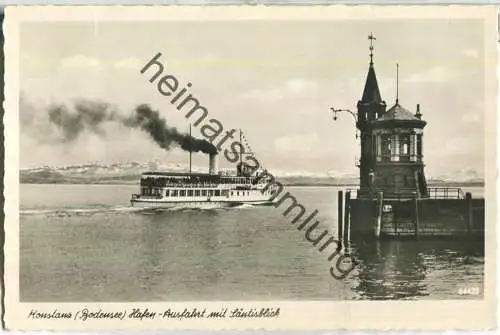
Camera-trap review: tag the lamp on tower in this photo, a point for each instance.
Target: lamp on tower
(335, 117)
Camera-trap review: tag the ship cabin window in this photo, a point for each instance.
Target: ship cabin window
(175, 193)
(190, 193)
(167, 193)
(217, 193)
(225, 193)
(210, 193)
(197, 193)
(204, 193)
(232, 193)
(182, 193)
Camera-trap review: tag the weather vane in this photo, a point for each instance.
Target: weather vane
(371, 38)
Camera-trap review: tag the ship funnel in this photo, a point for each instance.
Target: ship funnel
(212, 167)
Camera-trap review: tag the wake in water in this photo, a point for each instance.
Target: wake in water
(88, 211)
(67, 212)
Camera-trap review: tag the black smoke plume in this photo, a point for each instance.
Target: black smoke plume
(89, 116)
(149, 120)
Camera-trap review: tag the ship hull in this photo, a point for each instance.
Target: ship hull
(195, 204)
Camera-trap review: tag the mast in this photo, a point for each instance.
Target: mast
(190, 151)
(241, 151)
(397, 84)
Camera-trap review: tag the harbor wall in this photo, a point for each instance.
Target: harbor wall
(415, 218)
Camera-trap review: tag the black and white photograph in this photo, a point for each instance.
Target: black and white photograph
(177, 159)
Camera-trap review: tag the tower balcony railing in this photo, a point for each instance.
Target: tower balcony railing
(408, 193)
(398, 158)
(446, 193)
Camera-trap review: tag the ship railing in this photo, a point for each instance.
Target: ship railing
(200, 185)
(446, 193)
(184, 185)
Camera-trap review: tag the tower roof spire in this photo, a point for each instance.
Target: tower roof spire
(371, 92)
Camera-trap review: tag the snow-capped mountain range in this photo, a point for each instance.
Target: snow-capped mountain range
(129, 172)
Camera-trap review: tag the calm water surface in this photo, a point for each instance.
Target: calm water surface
(84, 243)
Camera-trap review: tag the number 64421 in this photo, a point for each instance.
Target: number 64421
(472, 290)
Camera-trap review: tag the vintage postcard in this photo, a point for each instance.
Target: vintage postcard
(277, 168)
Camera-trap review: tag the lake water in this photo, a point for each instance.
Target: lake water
(84, 243)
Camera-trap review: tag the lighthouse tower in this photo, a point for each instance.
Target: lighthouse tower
(370, 107)
(391, 145)
(393, 200)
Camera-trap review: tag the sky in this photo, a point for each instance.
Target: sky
(274, 80)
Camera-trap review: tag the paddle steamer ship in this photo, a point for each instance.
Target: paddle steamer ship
(217, 189)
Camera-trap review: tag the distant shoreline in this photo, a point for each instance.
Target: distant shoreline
(130, 174)
(136, 182)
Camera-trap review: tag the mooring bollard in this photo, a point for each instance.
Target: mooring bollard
(340, 222)
(380, 204)
(417, 217)
(347, 219)
(468, 203)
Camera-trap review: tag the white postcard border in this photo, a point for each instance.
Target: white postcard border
(294, 315)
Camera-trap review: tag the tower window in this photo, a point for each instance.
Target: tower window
(419, 145)
(404, 145)
(386, 147)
